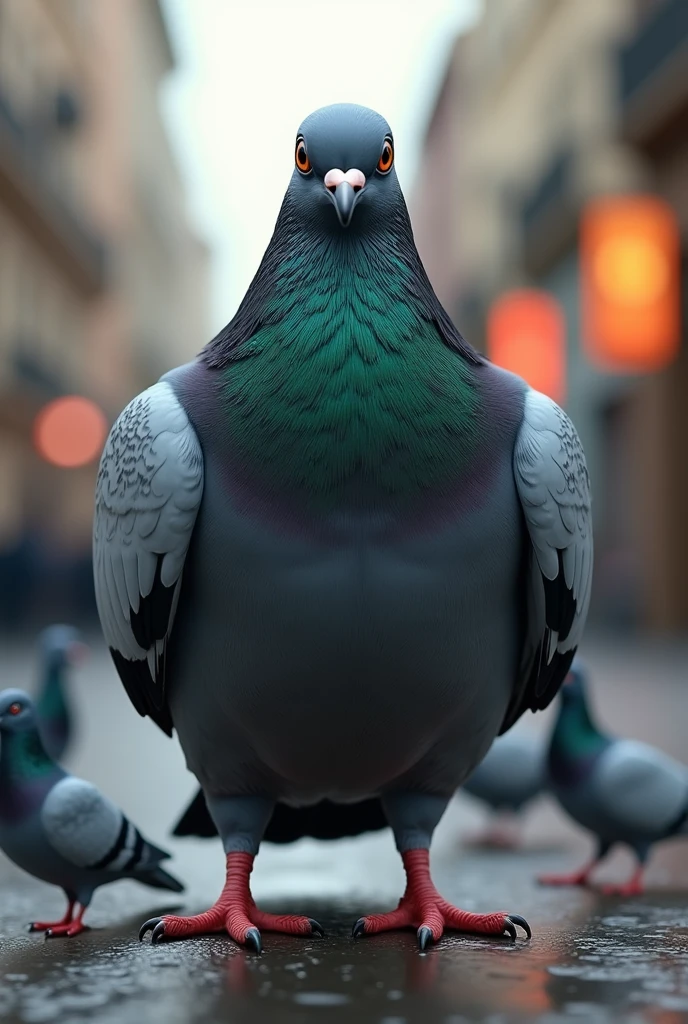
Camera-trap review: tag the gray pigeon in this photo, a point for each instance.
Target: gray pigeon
(61, 829)
(61, 648)
(511, 775)
(340, 551)
(620, 790)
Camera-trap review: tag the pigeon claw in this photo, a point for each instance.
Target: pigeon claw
(359, 928)
(424, 937)
(149, 926)
(516, 919)
(316, 929)
(253, 941)
(66, 930)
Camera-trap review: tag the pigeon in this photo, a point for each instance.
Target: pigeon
(622, 791)
(340, 551)
(60, 648)
(61, 829)
(511, 775)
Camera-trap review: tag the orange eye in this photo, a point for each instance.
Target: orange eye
(386, 160)
(302, 161)
(15, 709)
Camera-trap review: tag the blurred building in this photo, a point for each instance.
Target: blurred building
(102, 282)
(546, 104)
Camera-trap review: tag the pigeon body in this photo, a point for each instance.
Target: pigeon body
(511, 774)
(622, 791)
(60, 648)
(340, 551)
(62, 829)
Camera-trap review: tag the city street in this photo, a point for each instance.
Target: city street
(592, 957)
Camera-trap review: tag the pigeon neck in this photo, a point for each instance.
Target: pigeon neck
(348, 389)
(52, 699)
(23, 757)
(576, 743)
(306, 263)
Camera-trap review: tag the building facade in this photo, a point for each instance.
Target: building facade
(547, 104)
(102, 282)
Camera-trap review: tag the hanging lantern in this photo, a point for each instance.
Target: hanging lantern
(526, 334)
(630, 283)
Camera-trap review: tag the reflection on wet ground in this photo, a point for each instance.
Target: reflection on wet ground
(591, 957)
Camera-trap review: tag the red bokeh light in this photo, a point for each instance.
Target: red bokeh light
(630, 268)
(526, 334)
(70, 431)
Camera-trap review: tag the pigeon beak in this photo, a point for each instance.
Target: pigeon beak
(344, 190)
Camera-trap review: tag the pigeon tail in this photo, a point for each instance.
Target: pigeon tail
(158, 878)
(324, 820)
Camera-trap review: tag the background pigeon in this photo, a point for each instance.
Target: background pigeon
(340, 551)
(509, 777)
(621, 790)
(60, 649)
(61, 829)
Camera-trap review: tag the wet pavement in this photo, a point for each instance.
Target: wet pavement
(593, 957)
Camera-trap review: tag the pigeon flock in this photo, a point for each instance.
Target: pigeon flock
(339, 554)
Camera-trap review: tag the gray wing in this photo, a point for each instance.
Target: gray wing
(148, 493)
(91, 832)
(553, 486)
(640, 789)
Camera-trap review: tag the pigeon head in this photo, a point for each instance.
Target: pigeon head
(344, 174)
(16, 711)
(62, 646)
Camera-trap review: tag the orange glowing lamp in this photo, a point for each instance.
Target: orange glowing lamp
(70, 431)
(630, 276)
(526, 334)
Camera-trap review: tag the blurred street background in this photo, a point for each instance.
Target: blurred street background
(542, 146)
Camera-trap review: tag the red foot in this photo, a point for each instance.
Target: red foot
(46, 926)
(68, 930)
(235, 912)
(421, 907)
(69, 926)
(633, 887)
(580, 877)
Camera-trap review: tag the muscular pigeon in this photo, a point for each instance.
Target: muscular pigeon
(340, 551)
(62, 829)
(620, 790)
(60, 649)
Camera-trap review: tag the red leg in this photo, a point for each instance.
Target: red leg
(580, 877)
(68, 929)
(633, 887)
(421, 907)
(46, 926)
(235, 912)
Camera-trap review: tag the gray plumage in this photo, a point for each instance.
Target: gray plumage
(511, 774)
(621, 790)
(369, 647)
(59, 828)
(60, 650)
(261, 606)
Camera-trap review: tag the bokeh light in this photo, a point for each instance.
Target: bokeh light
(630, 282)
(526, 334)
(70, 431)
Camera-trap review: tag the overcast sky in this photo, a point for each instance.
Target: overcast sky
(251, 70)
